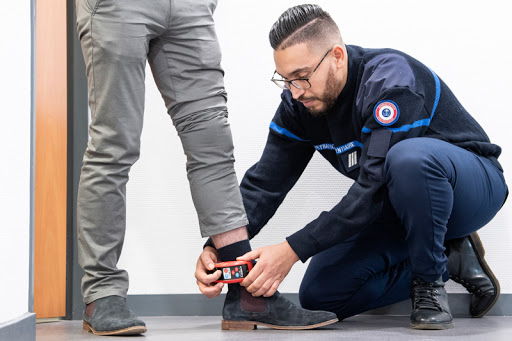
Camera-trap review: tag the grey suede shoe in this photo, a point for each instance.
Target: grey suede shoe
(242, 311)
(110, 316)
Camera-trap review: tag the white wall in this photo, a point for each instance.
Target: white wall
(15, 35)
(467, 43)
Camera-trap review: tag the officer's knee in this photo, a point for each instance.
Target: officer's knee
(344, 303)
(318, 295)
(309, 296)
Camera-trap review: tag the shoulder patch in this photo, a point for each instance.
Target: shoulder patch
(386, 112)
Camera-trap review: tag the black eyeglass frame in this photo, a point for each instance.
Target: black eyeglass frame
(291, 81)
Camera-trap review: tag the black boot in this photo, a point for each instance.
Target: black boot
(430, 308)
(110, 316)
(467, 266)
(242, 311)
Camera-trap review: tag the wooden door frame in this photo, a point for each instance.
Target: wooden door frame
(76, 140)
(50, 189)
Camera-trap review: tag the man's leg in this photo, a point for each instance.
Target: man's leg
(186, 65)
(368, 271)
(185, 62)
(114, 37)
(440, 192)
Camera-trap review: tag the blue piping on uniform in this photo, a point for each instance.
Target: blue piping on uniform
(424, 122)
(285, 132)
(324, 146)
(438, 93)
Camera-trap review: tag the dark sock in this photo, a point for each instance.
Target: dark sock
(231, 251)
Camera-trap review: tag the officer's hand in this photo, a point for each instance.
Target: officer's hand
(274, 263)
(204, 280)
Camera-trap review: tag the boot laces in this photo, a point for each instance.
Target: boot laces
(425, 297)
(471, 288)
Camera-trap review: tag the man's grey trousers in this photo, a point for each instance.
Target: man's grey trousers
(178, 39)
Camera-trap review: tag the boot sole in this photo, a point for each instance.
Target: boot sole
(432, 326)
(480, 253)
(251, 325)
(126, 331)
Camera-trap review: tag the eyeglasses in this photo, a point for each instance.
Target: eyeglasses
(299, 83)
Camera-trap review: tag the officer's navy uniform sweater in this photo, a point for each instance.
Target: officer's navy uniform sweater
(355, 142)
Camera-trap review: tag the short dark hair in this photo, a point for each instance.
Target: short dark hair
(301, 24)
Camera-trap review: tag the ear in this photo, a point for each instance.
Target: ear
(340, 56)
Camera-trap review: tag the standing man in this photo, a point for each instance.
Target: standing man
(426, 178)
(179, 41)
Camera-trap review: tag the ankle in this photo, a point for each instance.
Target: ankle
(230, 237)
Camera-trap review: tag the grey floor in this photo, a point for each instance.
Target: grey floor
(361, 327)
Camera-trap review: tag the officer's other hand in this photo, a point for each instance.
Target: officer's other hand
(205, 280)
(274, 263)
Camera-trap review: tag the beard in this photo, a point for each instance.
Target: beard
(328, 97)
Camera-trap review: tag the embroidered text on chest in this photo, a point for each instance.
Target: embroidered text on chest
(338, 150)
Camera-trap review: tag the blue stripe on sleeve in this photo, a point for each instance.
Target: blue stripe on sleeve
(424, 122)
(407, 127)
(284, 132)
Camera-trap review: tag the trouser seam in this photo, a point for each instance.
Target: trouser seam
(432, 228)
(95, 8)
(93, 82)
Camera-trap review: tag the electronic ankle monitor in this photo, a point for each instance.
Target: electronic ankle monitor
(233, 272)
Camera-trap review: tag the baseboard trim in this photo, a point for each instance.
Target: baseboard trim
(198, 305)
(22, 328)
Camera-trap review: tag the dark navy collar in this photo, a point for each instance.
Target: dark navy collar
(354, 54)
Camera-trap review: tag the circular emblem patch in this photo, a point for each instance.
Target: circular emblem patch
(386, 112)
